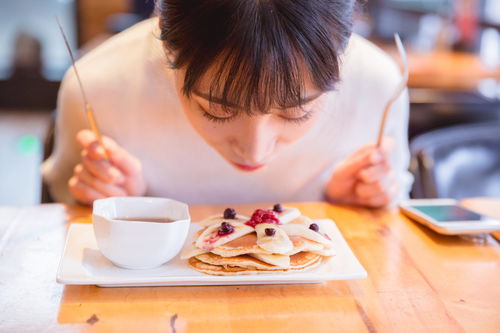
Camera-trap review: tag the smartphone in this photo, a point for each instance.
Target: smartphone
(446, 216)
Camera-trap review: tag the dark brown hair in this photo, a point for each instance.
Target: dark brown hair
(259, 52)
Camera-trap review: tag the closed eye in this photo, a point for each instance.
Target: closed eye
(302, 119)
(217, 119)
(227, 117)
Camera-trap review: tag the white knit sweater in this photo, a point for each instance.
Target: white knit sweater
(136, 104)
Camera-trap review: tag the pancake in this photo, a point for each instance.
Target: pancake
(326, 252)
(292, 247)
(327, 228)
(301, 244)
(304, 220)
(243, 245)
(210, 238)
(305, 232)
(298, 263)
(191, 251)
(303, 259)
(273, 259)
(248, 245)
(278, 242)
(244, 261)
(288, 214)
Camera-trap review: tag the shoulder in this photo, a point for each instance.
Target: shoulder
(366, 65)
(122, 47)
(117, 63)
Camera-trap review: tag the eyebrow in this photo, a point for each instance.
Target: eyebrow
(220, 101)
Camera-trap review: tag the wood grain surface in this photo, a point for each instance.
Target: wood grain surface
(418, 281)
(445, 70)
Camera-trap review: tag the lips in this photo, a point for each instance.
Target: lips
(245, 167)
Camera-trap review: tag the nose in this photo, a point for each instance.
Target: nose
(256, 140)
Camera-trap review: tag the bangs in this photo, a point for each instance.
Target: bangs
(254, 55)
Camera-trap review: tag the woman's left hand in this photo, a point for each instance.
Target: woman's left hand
(365, 178)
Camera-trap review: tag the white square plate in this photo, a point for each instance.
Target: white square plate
(82, 263)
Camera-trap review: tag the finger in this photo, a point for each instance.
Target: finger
(82, 192)
(99, 151)
(374, 173)
(363, 158)
(85, 138)
(381, 200)
(102, 169)
(88, 140)
(119, 156)
(364, 191)
(377, 202)
(109, 190)
(124, 161)
(376, 170)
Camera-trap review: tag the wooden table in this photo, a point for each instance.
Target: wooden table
(418, 281)
(446, 70)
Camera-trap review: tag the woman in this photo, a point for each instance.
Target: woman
(234, 101)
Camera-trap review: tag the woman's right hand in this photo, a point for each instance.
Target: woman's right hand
(96, 177)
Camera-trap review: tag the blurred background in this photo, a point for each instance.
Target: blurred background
(454, 57)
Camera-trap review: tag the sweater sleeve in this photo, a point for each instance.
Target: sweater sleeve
(386, 76)
(372, 78)
(397, 129)
(70, 118)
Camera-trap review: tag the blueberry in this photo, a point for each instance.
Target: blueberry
(225, 228)
(278, 208)
(314, 227)
(229, 213)
(270, 232)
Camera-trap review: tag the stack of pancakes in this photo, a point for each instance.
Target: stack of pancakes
(295, 243)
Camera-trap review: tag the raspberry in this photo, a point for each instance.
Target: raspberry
(262, 216)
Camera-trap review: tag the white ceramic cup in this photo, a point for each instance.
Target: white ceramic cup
(140, 245)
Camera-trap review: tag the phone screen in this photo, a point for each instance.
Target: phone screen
(448, 213)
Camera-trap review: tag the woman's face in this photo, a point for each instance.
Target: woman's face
(247, 142)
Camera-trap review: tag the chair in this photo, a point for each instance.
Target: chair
(457, 162)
